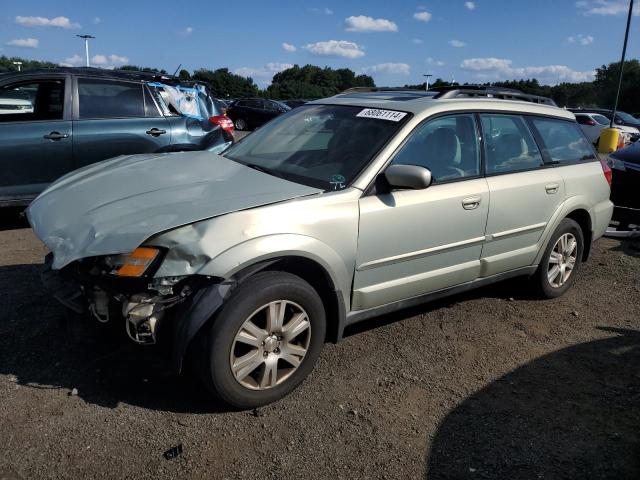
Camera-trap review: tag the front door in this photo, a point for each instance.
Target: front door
(112, 120)
(413, 242)
(35, 137)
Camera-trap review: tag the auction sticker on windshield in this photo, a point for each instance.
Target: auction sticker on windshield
(391, 115)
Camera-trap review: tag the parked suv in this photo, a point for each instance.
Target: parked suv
(250, 113)
(622, 119)
(54, 121)
(335, 212)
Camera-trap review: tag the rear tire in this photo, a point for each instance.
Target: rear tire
(264, 341)
(240, 124)
(561, 260)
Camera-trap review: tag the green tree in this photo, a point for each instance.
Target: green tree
(606, 84)
(314, 82)
(225, 84)
(6, 64)
(184, 75)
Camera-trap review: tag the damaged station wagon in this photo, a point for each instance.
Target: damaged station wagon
(247, 262)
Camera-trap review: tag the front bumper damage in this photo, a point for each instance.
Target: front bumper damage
(169, 311)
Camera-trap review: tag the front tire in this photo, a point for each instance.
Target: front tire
(265, 340)
(561, 260)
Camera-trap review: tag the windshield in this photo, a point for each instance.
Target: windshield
(601, 119)
(323, 146)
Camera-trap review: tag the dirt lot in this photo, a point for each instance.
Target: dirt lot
(491, 384)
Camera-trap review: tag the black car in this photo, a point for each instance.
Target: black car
(56, 120)
(250, 113)
(625, 166)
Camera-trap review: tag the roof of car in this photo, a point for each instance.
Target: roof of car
(430, 102)
(95, 72)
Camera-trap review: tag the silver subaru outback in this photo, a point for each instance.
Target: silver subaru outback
(246, 263)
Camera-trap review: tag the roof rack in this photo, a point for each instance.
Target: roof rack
(414, 91)
(467, 91)
(462, 91)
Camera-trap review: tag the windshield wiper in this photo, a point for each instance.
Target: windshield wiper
(262, 169)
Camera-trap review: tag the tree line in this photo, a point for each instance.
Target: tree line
(310, 81)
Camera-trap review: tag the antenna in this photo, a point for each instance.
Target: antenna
(174, 73)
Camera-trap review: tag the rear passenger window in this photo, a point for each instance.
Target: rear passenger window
(447, 146)
(509, 145)
(109, 99)
(563, 140)
(33, 100)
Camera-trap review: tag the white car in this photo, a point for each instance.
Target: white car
(593, 123)
(15, 105)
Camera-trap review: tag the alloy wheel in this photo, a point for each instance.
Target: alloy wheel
(270, 345)
(562, 260)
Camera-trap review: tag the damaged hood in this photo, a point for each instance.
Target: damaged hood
(114, 206)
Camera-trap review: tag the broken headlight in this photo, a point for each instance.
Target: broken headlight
(134, 264)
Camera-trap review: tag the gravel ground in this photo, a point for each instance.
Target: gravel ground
(491, 384)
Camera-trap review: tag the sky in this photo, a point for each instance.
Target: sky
(396, 42)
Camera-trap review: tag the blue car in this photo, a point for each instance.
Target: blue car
(57, 120)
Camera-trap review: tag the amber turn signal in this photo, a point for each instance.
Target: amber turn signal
(137, 262)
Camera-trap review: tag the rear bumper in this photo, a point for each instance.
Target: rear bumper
(626, 215)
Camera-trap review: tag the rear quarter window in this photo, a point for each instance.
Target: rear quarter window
(563, 140)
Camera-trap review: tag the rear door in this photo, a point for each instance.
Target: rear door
(525, 193)
(115, 117)
(35, 135)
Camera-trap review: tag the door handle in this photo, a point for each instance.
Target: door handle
(56, 136)
(471, 203)
(552, 188)
(155, 132)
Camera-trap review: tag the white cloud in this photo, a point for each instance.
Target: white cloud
(97, 20)
(437, 63)
(23, 42)
(108, 60)
(187, 31)
(417, 41)
(389, 68)
(470, 5)
(581, 39)
(335, 48)
(606, 7)
(422, 16)
(362, 23)
(288, 47)
(321, 11)
(457, 43)
(266, 72)
(73, 61)
(61, 22)
(491, 68)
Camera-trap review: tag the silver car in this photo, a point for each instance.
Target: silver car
(247, 262)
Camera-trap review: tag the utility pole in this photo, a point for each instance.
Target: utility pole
(624, 52)
(19, 65)
(428, 75)
(86, 45)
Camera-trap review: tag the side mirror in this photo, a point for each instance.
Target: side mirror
(412, 177)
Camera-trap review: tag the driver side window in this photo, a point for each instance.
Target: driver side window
(447, 146)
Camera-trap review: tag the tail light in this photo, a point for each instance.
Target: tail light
(590, 122)
(223, 122)
(606, 169)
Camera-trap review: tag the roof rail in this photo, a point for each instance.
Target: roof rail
(467, 91)
(388, 89)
